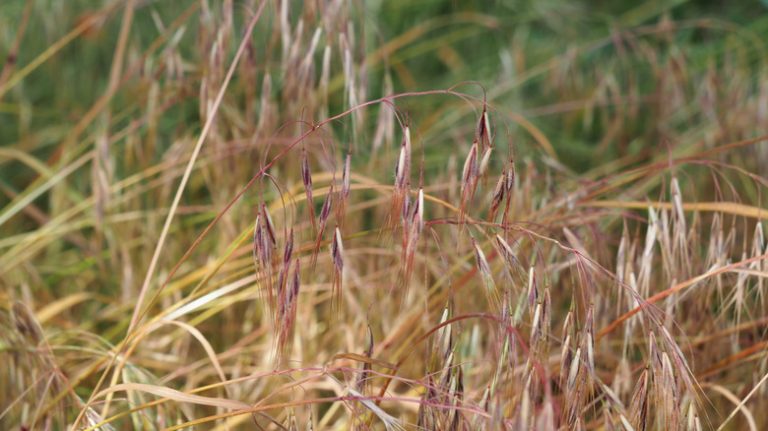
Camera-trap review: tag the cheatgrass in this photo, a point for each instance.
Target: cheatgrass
(383, 215)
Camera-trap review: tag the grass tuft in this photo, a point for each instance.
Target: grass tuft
(200, 226)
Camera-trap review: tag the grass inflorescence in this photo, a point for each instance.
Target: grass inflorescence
(201, 226)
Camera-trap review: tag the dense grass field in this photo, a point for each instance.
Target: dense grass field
(383, 215)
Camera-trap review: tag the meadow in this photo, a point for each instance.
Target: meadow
(383, 215)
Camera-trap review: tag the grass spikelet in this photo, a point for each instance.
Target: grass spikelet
(573, 371)
(533, 288)
(287, 303)
(444, 335)
(511, 263)
(536, 331)
(575, 397)
(418, 212)
(346, 186)
(469, 178)
(485, 272)
(545, 320)
(589, 341)
(427, 418)
(638, 409)
(412, 228)
(497, 197)
(325, 212)
(455, 418)
(483, 130)
(402, 175)
(566, 360)
(509, 185)
(306, 179)
(337, 258)
(287, 255)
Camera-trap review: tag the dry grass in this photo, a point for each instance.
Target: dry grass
(218, 239)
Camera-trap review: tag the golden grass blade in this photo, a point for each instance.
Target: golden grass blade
(174, 395)
(56, 307)
(732, 208)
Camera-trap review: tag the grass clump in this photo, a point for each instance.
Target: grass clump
(283, 215)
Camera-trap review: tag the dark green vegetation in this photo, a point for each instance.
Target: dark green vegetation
(383, 215)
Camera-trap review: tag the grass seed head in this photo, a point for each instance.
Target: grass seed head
(337, 258)
(306, 179)
(403, 166)
(483, 129)
(325, 212)
(496, 199)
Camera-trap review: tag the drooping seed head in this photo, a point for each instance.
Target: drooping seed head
(469, 173)
(510, 177)
(496, 198)
(483, 129)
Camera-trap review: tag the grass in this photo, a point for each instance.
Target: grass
(383, 215)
